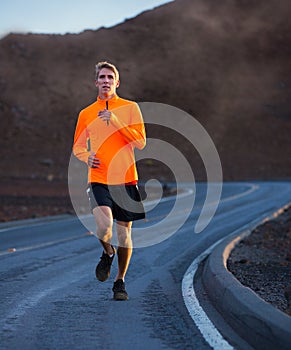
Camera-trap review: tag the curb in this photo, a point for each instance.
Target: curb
(258, 322)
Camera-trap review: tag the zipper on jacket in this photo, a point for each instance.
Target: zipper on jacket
(107, 109)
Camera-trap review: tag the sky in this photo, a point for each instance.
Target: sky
(67, 16)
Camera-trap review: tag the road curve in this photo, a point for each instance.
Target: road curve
(50, 298)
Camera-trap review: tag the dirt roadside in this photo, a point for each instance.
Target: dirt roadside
(262, 261)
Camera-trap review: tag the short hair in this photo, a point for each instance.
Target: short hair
(105, 64)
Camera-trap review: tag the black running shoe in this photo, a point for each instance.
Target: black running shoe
(119, 292)
(103, 268)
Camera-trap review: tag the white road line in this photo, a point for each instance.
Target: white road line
(206, 327)
(203, 323)
(46, 220)
(253, 188)
(51, 219)
(43, 245)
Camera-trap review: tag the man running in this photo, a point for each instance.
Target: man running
(106, 134)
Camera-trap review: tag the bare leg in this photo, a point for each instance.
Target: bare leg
(104, 221)
(124, 251)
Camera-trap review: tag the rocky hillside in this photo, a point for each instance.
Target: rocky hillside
(225, 62)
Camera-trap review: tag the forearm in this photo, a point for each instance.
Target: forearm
(81, 146)
(81, 153)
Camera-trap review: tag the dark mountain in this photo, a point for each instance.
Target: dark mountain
(225, 62)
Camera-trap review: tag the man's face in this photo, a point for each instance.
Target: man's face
(106, 83)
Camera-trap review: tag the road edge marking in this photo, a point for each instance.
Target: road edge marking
(209, 332)
(203, 323)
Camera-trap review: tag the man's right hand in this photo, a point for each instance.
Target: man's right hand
(93, 161)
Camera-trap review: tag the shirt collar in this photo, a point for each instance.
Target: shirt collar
(111, 100)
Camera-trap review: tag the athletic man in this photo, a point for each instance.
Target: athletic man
(106, 134)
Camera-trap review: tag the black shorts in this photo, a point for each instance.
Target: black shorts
(124, 200)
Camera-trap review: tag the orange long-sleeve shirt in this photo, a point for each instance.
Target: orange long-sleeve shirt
(114, 143)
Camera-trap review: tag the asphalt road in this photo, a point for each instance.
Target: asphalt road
(50, 298)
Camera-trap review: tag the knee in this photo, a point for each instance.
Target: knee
(124, 241)
(104, 222)
(104, 230)
(124, 236)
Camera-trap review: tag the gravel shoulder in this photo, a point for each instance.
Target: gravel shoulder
(262, 261)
